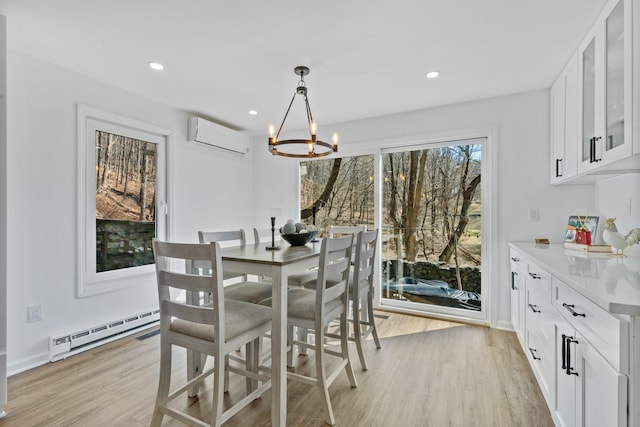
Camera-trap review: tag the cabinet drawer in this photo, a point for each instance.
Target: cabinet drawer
(606, 333)
(538, 279)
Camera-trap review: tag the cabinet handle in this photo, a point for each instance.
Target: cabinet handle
(532, 351)
(568, 369)
(570, 308)
(533, 308)
(595, 146)
(564, 352)
(558, 174)
(513, 280)
(514, 259)
(535, 276)
(591, 149)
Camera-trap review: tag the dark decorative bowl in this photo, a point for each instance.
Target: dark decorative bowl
(299, 239)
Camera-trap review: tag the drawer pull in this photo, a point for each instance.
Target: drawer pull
(514, 259)
(513, 280)
(533, 308)
(535, 276)
(570, 308)
(533, 354)
(566, 354)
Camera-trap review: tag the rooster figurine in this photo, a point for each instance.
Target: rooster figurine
(617, 240)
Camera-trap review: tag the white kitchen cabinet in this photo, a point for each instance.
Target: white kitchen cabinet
(581, 332)
(605, 60)
(539, 328)
(564, 123)
(590, 391)
(517, 294)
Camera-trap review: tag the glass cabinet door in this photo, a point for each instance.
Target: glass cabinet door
(615, 89)
(588, 100)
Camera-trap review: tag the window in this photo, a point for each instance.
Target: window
(338, 191)
(122, 203)
(432, 227)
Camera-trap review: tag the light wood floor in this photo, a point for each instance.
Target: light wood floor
(428, 373)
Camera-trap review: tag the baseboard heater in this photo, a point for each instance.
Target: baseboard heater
(61, 347)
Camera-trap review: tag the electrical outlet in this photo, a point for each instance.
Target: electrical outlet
(534, 214)
(34, 313)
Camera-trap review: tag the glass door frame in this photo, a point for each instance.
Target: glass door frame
(488, 187)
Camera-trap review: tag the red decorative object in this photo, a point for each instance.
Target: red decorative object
(583, 237)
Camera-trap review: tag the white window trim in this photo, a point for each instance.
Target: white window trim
(89, 282)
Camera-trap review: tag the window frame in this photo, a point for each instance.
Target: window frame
(90, 119)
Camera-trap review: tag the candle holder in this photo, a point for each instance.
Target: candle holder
(273, 246)
(314, 240)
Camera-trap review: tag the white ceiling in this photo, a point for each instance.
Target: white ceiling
(367, 57)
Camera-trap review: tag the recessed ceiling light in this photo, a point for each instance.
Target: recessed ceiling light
(433, 74)
(156, 66)
(253, 113)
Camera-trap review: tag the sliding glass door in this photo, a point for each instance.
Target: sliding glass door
(431, 258)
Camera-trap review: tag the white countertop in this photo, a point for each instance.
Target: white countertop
(613, 283)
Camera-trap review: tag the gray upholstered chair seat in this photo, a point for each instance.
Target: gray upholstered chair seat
(252, 292)
(238, 317)
(301, 303)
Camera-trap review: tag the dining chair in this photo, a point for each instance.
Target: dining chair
(263, 235)
(215, 329)
(362, 290)
(308, 278)
(242, 290)
(316, 309)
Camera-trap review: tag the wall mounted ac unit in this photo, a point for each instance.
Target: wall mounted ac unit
(215, 135)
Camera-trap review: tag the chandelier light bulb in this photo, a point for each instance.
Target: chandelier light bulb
(272, 131)
(334, 139)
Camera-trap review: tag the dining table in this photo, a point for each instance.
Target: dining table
(278, 264)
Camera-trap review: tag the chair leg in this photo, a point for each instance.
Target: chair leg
(226, 373)
(249, 364)
(163, 384)
(357, 334)
(303, 335)
(218, 389)
(344, 344)
(321, 377)
(290, 346)
(372, 321)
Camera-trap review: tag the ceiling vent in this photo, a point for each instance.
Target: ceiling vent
(214, 135)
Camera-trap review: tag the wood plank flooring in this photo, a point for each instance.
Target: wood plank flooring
(428, 373)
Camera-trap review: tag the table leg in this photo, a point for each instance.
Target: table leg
(279, 349)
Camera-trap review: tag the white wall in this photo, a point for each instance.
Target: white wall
(522, 129)
(210, 189)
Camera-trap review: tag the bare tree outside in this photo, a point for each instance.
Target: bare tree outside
(432, 225)
(339, 191)
(125, 201)
(431, 217)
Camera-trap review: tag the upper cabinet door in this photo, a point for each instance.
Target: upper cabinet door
(605, 61)
(564, 123)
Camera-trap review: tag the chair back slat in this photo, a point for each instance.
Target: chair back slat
(210, 284)
(366, 244)
(338, 230)
(335, 259)
(231, 237)
(186, 282)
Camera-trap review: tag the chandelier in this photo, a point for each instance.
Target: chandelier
(294, 147)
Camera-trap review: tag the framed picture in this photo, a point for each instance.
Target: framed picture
(570, 236)
(575, 222)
